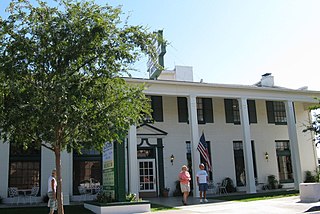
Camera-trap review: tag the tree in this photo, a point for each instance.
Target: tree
(61, 70)
(315, 124)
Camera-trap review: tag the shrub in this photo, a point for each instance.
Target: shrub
(272, 182)
(230, 186)
(310, 178)
(104, 197)
(131, 197)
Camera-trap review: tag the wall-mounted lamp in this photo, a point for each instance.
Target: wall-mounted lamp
(171, 159)
(266, 156)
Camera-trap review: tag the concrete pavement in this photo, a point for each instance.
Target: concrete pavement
(271, 206)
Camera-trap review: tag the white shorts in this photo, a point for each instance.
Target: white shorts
(185, 187)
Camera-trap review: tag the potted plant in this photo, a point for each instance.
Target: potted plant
(165, 192)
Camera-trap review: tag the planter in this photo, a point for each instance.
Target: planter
(165, 194)
(119, 207)
(309, 192)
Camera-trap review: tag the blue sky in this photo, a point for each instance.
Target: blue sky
(234, 41)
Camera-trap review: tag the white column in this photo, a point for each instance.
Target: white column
(294, 147)
(247, 149)
(47, 165)
(193, 119)
(133, 161)
(4, 166)
(66, 173)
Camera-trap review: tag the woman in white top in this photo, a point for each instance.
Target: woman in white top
(52, 192)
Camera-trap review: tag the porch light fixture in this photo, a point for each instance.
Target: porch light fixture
(171, 159)
(266, 155)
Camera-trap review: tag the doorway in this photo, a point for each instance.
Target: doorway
(147, 178)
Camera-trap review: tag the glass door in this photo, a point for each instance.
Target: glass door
(147, 175)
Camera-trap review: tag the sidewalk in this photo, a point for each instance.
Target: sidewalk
(270, 206)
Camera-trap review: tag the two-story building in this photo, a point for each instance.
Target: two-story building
(252, 131)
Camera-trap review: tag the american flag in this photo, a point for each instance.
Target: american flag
(203, 149)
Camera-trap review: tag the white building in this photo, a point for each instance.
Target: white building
(252, 132)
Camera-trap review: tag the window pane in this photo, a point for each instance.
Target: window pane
(86, 173)
(200, 113)
(24, 167)
(24, 177)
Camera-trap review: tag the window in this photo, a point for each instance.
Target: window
(239, 162)
(24, 166)
(182, 110)
(276, 112)
(204, 110)
(200, 111)
(232, 111)
(87, 169)
(189, 161)
(284, 161)
(157, 109)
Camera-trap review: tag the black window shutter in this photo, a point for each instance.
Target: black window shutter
(270, 111)
(207, 110)
(182, 110)
(252, 111)
(156, 104)
(228, 110)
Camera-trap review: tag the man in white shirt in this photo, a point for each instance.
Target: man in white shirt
(52, 192)
(202, 181)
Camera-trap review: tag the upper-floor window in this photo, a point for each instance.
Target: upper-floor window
(233, 114)
(157, 109)
(276, 112)
(204, 110)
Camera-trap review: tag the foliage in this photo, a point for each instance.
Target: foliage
(78, 209)
(258, 196)
(272, 182)
(166, 189)
(161, 207)
(104, 197)
(61, 70)
(315, 125)
(230, 185)
(131, 197)
(310, 177)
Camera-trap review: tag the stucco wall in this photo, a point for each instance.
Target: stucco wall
(222, 134)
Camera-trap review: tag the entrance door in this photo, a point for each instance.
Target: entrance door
(147, 178)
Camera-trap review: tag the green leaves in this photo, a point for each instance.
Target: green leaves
(60, 70)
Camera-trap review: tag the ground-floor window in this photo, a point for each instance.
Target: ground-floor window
(24, 167)
(24, 174)
(239, 162)
(87, 170)
(284, 161)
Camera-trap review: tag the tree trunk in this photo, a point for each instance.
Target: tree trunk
(57, 153)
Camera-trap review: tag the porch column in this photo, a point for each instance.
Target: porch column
(193, 119)
(294, 147)
(4, 166)
(247, 149)
(133, 161)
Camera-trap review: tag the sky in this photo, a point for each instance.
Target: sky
(233, 41)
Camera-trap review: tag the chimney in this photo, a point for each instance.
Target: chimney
(267, 80)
